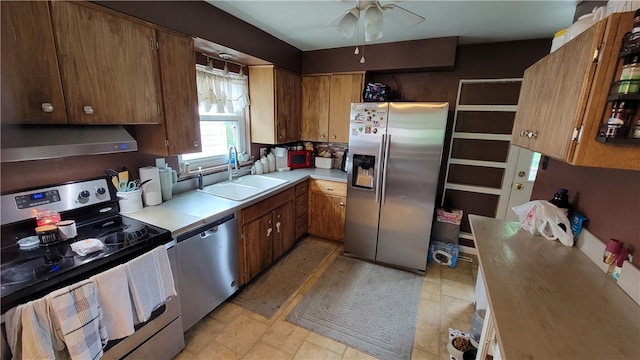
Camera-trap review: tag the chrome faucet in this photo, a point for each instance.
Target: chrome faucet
(235, 153)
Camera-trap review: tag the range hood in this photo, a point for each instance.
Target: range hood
(38, 142)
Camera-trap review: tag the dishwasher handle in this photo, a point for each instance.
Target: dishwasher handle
(205, 234)
(209, 229)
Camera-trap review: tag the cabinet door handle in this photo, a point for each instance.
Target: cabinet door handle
(269, 230)
(341, 203)
(278, 227)
(328, 188)
(196, 144)
(88, 109)
(47, 107)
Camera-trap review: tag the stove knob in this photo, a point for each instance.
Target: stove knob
(100, 191)
(84, 196)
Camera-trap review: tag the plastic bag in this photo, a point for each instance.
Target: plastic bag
(443, 253)
(540, 217)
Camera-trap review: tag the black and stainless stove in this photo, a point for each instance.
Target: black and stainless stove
(30, 273)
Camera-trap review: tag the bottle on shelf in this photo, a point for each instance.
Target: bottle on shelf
(561, 200)
(630, 76)
(620, 119)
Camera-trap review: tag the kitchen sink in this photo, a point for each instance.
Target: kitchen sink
(243, 188)
(261, 182)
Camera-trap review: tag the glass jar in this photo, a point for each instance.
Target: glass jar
(621, 114)
(630, 75)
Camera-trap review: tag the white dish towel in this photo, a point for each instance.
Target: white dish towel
(77, 319)
(150, 281)
(114, 299)
(29, 332)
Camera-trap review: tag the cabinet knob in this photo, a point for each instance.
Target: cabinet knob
(518, 186)
(328, 188)
(269, 230)
(196, 144)
(522, 173)
(341, 203)
(47, 107)
(88, 109)
(523, 132)
(278, 227)
(322, 136)
(532, 134)
(334, 137)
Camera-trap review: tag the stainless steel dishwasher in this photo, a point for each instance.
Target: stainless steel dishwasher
(208, 260)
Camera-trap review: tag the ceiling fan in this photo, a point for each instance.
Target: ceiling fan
(374, 14)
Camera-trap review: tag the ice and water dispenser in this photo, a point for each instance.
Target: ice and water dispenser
(363, 171)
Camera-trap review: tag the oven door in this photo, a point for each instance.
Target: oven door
(162, 336)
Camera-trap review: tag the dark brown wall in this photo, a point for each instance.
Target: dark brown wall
(609, 198)
(486, 61)
(431, 54)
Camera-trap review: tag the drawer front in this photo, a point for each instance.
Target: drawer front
(255, 211)
(333, 188)
(302, 188)
(302, 205)
(301, 226)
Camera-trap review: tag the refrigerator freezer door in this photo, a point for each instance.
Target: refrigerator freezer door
(411, 169)
(367, 130)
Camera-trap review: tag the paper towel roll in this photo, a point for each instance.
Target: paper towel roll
(151, 193)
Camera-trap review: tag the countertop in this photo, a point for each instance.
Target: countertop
(550, 301)
(190, 209)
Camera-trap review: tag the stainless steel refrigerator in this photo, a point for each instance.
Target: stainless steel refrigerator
(395, 151)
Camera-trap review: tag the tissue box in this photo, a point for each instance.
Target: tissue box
(324, 163)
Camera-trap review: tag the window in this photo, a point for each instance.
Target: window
(223, 101)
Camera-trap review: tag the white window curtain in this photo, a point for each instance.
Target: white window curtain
(219, 93)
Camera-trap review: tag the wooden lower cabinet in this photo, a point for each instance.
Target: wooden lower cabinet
(258, 247)
(267, 230)
(327, 207)
(283, 229)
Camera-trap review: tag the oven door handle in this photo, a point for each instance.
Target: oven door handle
(170, 244)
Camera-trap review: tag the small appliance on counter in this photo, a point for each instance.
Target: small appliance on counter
(300, 159)
(282, 162)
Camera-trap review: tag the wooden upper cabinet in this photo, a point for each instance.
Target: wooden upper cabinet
(326, 104)
(108, 64)
(275, 105)
(315, 109)
(345, 89)
(180, 131)
(31, 85)
(563, 99)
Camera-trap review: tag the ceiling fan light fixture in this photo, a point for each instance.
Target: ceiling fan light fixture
(348, 24)
(373, 23)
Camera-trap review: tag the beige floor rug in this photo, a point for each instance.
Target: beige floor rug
(266, 293)
(366, 306)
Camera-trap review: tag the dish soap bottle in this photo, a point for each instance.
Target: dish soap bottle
(561, 200)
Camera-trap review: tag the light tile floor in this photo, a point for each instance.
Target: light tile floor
(231, 332)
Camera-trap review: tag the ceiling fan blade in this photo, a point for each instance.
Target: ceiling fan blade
(335, 21)
(401, 15)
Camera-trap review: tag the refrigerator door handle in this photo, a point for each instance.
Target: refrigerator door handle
(384, 167)
(380, 152)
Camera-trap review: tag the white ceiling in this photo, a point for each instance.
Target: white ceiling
(301, 22)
